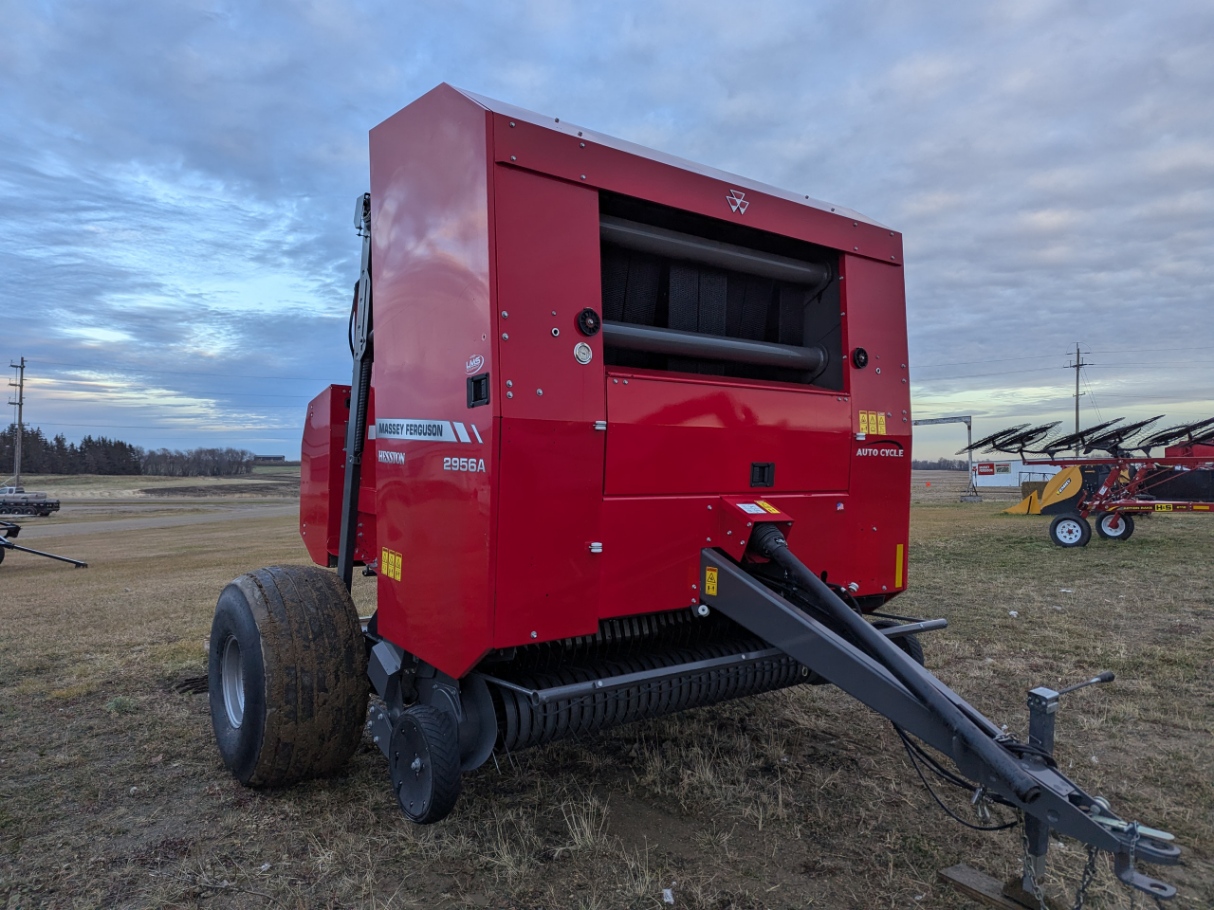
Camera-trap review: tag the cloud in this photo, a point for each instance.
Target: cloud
(176, 180)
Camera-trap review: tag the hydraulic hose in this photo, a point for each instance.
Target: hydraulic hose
(768, 541)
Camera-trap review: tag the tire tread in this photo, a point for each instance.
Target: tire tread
(315, 673)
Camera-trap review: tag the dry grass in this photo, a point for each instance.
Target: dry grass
(112, 795)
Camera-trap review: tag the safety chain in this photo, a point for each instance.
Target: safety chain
(1089, 875)
(1030, 869)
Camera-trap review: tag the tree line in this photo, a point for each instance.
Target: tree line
(102, 455)
(940, 464)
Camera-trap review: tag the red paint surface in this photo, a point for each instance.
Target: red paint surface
(486, 246)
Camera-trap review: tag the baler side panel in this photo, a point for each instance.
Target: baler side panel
(431, 273)
(323, 454)
(320, 472)
(547, 272)
(874, 299)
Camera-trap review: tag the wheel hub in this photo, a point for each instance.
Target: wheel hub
(409, 767)
(1069, 531)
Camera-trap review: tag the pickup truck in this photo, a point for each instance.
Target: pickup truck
(15, 501)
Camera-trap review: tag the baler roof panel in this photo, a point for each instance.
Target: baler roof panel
(555, 127)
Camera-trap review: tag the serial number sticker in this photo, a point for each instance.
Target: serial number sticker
(751, 508)
(710, 581)
(389, 563)
(1163, 507)
(767, 507)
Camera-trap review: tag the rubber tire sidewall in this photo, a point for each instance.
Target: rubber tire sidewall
(1124, 535)
(1085, 534)
(440, 733)
(304, 672)
(240, 747)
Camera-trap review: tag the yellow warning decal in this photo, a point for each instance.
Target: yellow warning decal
(389, 564)
(872, 422)
(899, 557)
(1201, 508)
(710, 581)
(1163, 507)
(767, 507)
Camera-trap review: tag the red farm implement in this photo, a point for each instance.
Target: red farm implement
(1115, 474)
(608, 408)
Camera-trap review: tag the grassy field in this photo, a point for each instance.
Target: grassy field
(265, 481)
(112, 794)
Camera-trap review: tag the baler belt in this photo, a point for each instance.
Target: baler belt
(750, 321)
(697, 304)
(641, 293)
(792, 314)
(615, 283)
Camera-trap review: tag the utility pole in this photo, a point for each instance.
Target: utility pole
(1079, 364)
(19, 385)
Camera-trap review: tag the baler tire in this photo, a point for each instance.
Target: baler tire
(2, 549)
(1123, 533)
(1070, 529)
(424, 763)
(907, 643)
(288, 675)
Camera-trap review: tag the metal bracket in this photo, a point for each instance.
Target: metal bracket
(360, 391)
(1058, 804)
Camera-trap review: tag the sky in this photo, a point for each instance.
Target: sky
(177, 184)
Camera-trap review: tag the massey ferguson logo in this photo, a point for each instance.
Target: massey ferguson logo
(737, 202)
(881, 450)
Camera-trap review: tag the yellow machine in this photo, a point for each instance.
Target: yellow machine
(1061, 494)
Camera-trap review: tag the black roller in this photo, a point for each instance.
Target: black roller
(713, 347)
(521, 723)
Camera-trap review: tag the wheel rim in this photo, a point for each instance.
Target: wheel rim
(233, 682)
(1069, 531)
(1107, 523)
(410, 767)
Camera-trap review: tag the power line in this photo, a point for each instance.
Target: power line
(960, 363)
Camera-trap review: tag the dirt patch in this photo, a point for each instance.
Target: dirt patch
(112, 794)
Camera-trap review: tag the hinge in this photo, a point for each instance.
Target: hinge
(596, 547)
(600, 424)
